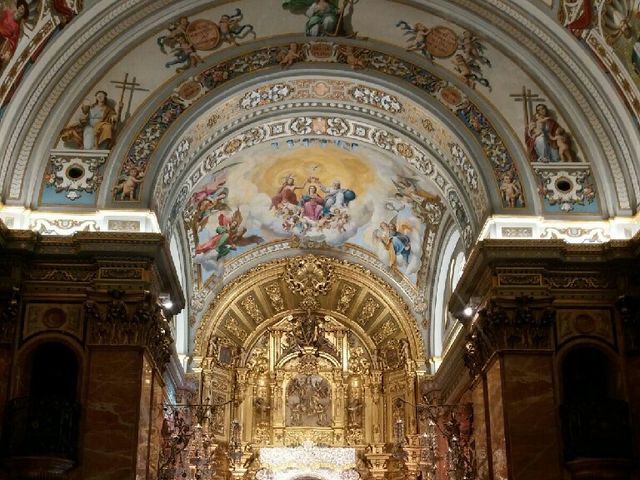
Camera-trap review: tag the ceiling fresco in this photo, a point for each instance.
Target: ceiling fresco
(610, 29)
(317, 192)
(345, 95)
(463, 67)
(26, 26)
(378, 132)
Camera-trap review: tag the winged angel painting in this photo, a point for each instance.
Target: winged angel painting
(323, 194)
(620, 23)
(18, 19)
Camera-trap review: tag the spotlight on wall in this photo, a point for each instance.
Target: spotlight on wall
(467, 312)
(165, 302)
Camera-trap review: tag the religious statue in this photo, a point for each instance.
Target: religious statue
(354, 412)
(262, 410)
(96, 125)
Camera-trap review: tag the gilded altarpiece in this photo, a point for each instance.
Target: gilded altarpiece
(306, 378)
(311, 366)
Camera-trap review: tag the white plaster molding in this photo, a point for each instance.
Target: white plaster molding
(59, 223)
(573, 231)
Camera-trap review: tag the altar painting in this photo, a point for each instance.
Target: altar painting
(318, 193)
(308, 402)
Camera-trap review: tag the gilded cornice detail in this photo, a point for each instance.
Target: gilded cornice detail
(119, 318)
(526, 324)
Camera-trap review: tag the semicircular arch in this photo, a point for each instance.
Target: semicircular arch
(261, 298)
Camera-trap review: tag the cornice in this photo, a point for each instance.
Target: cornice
(600, 262)
(96, 248)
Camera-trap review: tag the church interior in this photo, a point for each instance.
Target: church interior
(319, 239)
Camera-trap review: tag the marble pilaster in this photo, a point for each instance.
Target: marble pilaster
(111, 414)
(146, 386)
(480, 415)
(530, 414)
(496, 422)
(155, 440)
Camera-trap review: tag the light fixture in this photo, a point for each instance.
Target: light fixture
(468, 312)
(165, 301)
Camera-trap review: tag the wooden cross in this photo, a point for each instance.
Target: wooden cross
(527, 98)
(132, 87)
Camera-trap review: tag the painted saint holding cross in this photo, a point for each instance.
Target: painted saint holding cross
(100, 119)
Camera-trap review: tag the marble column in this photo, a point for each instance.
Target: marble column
(530, 413)
(117, 405)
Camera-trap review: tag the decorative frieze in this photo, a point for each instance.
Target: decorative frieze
(524, 324)
(110, 323)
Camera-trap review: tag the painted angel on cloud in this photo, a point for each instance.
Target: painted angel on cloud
(394, 237)
(211, 198)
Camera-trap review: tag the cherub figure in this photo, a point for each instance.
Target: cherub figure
(177, 41)
(417, 37)
(291, 55)
(563, 141)
(351, 56)
(472, 48)
(342, 219)
(188, 49)
(470, 71)
(510, 190)
(129, 183)
(231, 29)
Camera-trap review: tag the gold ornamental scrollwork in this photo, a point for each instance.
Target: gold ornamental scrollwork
(307, 286)
(309, 276)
